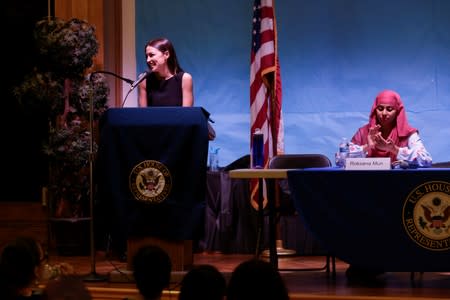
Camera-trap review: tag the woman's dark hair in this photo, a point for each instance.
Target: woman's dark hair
(163, 45)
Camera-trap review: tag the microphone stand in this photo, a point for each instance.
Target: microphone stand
(113, 74)
(93, 276)
(129, 81)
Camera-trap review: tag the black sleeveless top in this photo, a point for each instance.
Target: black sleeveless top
(164, 92)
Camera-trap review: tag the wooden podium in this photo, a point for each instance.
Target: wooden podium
(180, 252)
(151, 170)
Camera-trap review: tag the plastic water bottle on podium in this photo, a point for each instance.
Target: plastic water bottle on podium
(258, 149)
(214, 159)
(343, 152)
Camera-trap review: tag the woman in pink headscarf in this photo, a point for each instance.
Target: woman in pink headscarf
(388, 134)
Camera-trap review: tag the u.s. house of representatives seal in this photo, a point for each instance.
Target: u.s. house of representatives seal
(426, 215)
(150, 181)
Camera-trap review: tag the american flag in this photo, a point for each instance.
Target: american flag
(265, 86)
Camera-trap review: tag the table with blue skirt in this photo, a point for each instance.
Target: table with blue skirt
(394, 220)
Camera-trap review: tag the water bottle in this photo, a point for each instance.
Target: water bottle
(258, 149)
(343, 152)
(214, 159)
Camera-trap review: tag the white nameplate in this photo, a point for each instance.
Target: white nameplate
(368, 163)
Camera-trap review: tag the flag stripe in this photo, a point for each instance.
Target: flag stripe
(265, 84)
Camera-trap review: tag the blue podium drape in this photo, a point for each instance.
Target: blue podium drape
(393, 220)
(174, 139)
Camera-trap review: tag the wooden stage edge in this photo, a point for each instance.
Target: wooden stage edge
(124, 293)
(305, 285)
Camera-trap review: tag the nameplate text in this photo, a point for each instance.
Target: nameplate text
(368, 163)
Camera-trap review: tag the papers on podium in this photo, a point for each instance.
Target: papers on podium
(368, 163)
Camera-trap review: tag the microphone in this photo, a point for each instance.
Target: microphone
(140, 78)
(110, 73)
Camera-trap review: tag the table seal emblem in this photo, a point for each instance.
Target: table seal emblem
(426, 215)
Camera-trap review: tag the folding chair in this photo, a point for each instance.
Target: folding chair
(299, 161)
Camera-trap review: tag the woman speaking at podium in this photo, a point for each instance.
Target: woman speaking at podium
(166, 83)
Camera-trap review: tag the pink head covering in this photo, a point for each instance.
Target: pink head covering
(402, 127)
(401, 131)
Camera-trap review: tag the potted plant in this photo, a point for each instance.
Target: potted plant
(70, 101)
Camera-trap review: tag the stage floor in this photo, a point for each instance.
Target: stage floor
(309, 284)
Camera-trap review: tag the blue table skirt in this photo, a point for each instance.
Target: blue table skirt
(395, 220)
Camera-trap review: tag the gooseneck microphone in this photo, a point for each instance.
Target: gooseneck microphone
(110, 73)
(140, 78)
(132, 83)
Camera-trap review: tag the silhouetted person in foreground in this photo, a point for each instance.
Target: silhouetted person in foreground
(20, 266)
(256, 279)
(203, 282)
(151, 270)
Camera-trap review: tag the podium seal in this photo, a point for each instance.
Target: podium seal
(150, 181)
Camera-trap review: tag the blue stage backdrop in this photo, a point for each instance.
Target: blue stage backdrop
(335, 57)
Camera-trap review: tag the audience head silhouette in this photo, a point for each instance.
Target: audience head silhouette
(19, 267)
(203, 282)
(256, 279)
(151, 270)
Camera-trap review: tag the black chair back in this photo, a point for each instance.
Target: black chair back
(299, 161)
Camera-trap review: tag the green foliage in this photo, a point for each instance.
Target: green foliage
(69, 152)
(67, 47)
(43, 92)
(61, 93)
(69, 147)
